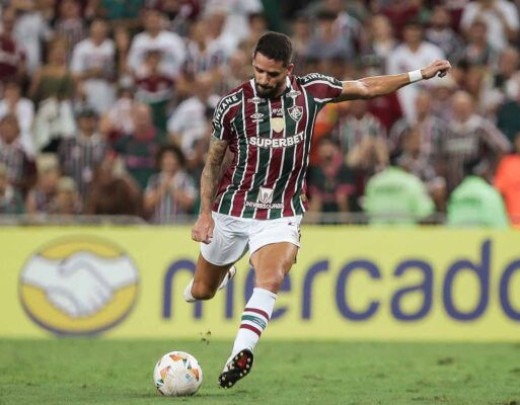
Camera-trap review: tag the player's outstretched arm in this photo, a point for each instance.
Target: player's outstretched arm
(370, 87)
(202, 231)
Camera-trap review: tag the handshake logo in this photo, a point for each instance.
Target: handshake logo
(79, 286)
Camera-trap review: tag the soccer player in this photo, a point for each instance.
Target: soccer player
(258, 202)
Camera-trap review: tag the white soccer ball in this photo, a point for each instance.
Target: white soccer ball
(177, 374)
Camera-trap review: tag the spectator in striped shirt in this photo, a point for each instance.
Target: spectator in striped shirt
(469, 136)
(363, 138)
(441, 33)
(40, 198)
(170, 194)
(424, 132)
(330, 182)
(424, 118)
(12, 55)
(80, 156)
(11, 201)
(155, 87)
(477, 50)
(204, 52)
(138, 149)
(414, 160)
(70, 24)
(20, 167)
(363, 142)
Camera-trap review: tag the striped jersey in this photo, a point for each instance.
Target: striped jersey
(80, 156)
(270, 139)
(167, 210)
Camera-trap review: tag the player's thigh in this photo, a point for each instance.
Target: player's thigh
(274, 246)
(267, 232)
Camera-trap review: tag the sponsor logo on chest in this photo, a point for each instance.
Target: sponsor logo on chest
(275, 143)
(264, 200)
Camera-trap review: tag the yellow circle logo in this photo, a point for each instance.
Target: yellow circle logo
(79, 286)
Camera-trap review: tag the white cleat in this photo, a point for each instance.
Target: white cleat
(228, 277)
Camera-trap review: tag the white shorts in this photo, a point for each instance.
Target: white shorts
(233, 236)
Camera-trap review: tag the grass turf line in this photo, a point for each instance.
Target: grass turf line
(76, 371)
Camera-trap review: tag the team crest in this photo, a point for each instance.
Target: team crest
(295, 113)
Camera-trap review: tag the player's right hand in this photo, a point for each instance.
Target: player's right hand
(436, 68)
(202, 231)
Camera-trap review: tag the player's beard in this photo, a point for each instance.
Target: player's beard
(268, 92)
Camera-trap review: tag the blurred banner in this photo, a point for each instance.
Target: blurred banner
(349, 283)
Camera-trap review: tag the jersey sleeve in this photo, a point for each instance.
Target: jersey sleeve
(222, 116)
(322, 88)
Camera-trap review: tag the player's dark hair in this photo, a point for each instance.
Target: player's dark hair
(275, 46)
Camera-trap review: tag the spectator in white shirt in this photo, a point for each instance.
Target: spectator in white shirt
(23, 108)
(237, 14)
(411, 55)
(117, 120)
(188, 126)
(31, 30)
(93, 67)
(501, 18)
(205, 50)
(156, 38)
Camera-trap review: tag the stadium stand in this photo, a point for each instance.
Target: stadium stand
(92, 91)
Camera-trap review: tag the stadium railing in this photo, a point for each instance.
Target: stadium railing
(310, 218)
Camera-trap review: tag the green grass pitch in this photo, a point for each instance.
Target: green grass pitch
(72, 371)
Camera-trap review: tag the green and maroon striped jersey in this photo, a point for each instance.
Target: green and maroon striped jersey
(270, 139)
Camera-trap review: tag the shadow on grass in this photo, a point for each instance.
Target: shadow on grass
(216, 393)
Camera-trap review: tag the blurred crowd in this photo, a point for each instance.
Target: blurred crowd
(106, 105)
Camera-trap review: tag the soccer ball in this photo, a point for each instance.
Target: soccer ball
(177, 374)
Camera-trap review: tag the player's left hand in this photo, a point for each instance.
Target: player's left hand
(436, 68)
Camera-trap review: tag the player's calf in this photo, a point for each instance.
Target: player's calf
(202, 291)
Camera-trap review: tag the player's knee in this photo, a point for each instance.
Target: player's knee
(272, 282)
(202, 291)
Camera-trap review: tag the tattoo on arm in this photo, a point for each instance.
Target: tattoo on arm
(211, 173)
